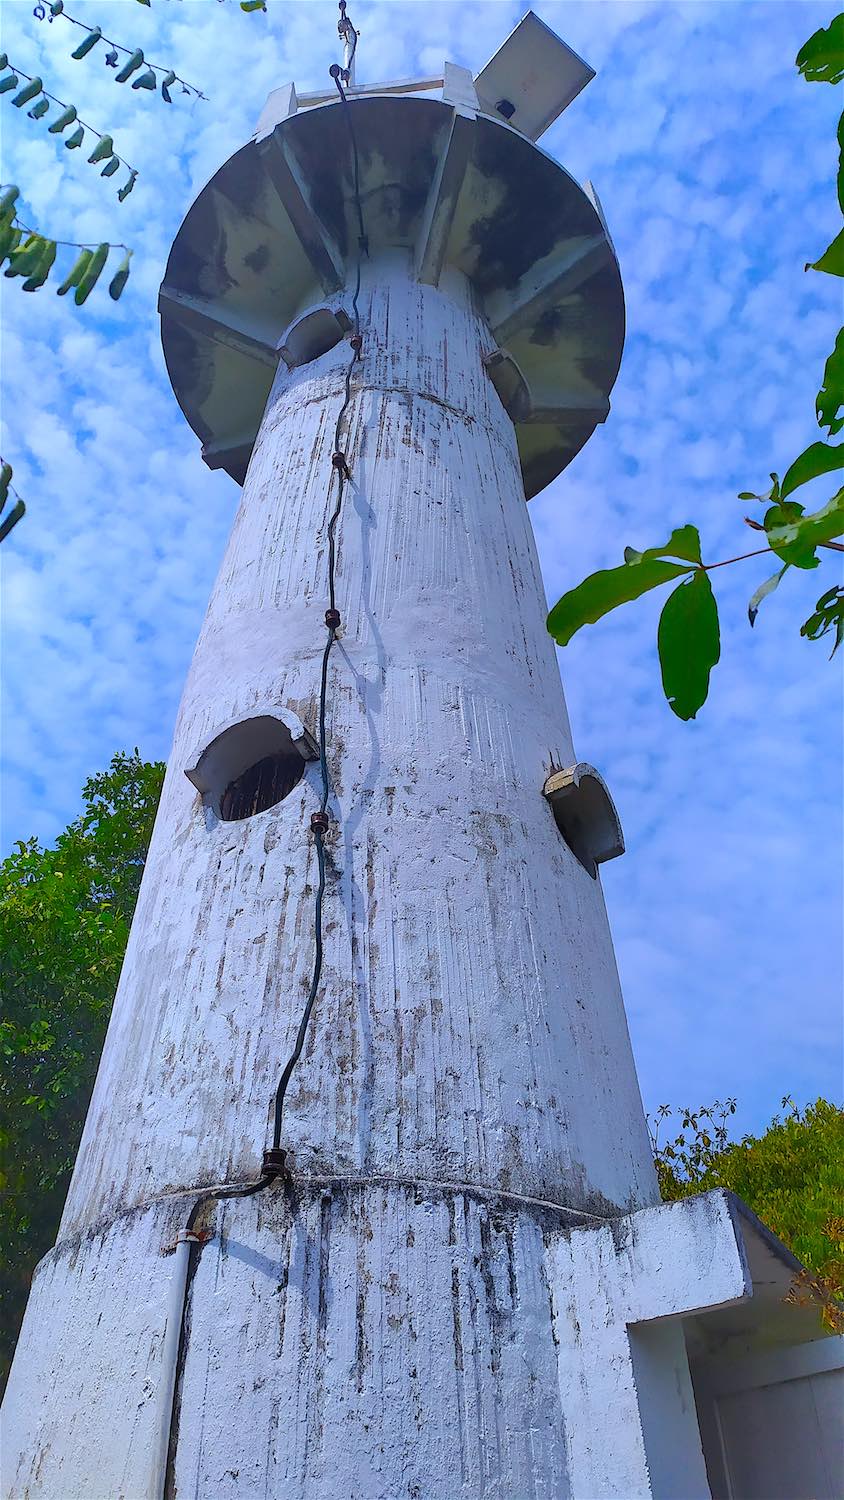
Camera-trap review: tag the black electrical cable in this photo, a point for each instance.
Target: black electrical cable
(226, 1190)
(273, 1163)
(319, 822)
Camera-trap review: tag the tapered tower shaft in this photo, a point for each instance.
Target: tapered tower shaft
(469, 1024)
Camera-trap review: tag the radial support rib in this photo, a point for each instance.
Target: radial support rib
(438, 217)
(215, 322)
(231, 453)
(317, 243)
(511, 312)
(568, 408)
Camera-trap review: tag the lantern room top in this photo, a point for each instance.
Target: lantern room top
(454, 177)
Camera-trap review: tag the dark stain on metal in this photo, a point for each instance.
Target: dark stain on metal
(549, 328)
(257, 259)
(509, 241)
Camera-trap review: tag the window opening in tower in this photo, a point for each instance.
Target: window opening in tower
(261, 786)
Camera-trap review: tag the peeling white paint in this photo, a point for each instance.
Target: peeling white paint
(469, 1023)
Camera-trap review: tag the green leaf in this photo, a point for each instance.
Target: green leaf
(818, 459)
(794, 538)
(840, 178)
(136, 61)
(828, 615)
(831, 394)
(29, 91)
(103, 148)
(111, 167)
(89, 277)
(128, 186)
(76, 272)
(75, 138)
(9, 83)
(10, 238)
(87, 43)
(66, 118)
(780, 516)
(147, 80)
(6, 472)
(603, 591)
(832, 260)
(684, 542)
(821, 59)
(39, 110)
(15, 514)
(43, 269)
(10, 197)
(23, 262)
(688, 641)
(166, 84)
(252, 5)
(772, 494)
(120, 277)
(763, 591)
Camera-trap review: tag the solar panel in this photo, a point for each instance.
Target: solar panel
(532, 78)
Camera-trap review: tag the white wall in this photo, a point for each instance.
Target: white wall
(773, 1423)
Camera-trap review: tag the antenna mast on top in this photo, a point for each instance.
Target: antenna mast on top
(350, 44)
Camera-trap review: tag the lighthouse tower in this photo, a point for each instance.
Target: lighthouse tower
(365, 1207)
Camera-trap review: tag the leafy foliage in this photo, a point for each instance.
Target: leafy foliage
(831, 394)
(821, 59)
(795, 536)
(33, 258)
(244, 4)
(34, 89)
(689, 644)
(792, 1177)
(604, 591)
(688, 635)
(6, 488)
(828, 615)
(818, 459)
(64, 921)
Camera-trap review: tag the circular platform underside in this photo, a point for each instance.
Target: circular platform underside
(274, 233)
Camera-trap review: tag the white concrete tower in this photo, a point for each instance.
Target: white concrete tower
(438, 1296)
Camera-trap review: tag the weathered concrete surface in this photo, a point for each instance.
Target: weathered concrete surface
(378, 1341)
(469, 1026)
(470, 1022)
(619, 1293)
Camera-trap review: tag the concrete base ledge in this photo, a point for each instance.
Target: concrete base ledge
(447, 1331)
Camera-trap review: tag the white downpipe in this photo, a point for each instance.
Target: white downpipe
(169, 1359)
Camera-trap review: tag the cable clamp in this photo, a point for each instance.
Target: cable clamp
(332, 619)
(356, 342)
(338, 462)
(319, 822)
(273, 1164)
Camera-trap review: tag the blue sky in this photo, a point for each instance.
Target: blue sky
(715, 164)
